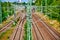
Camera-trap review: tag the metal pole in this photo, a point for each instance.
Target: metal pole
(0, 13)
(29, 20)
(7, 9)
(42, 6)
(14, 7)
(15, 13)
(46, 6)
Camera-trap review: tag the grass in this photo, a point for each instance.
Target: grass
(5, 22)
(6, 35)
(25, 29)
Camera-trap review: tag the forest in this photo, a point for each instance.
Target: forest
(52, 7)
(7, 10)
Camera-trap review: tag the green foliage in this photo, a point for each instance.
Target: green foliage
(5, 35)
(49, 2)
(54, 12)
(55, 2)
(26, 32)
(25, 29)
(38, 2)
(7, 10)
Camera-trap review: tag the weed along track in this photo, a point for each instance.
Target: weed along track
(8, 25)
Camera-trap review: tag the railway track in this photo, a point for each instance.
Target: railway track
(19, 31)
(58, 34)
(36, 33)
(41, 31)
(8, 25)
